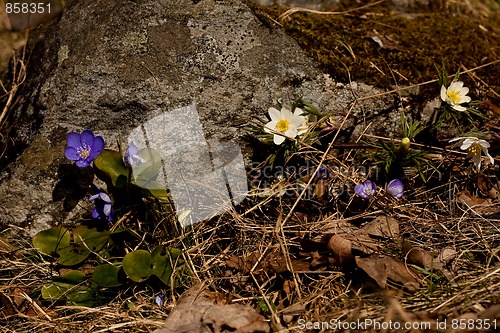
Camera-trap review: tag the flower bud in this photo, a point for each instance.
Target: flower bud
(405, 144)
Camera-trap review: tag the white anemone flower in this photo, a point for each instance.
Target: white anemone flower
(474, 146)
(284, 123)
(455, 95)
(302, 129)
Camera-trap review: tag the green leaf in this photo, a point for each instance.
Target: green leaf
(107, 275)
(160, 194)
(81, 296)
(145, 174)
(163, 261)
(94, 239)
(51, 240)
(110, 162)
(137, 265)
(73, 254)
(54, 291)
(85, 240)
(74, 277)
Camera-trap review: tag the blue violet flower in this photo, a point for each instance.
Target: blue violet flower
(323, 173)
(103, 209)
(366, 190)
(395, 188)
(83, 148)
(132, 158)
(160, 299)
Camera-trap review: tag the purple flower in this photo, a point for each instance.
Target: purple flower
(395, 188)
(103, 209)
(160, 299)
(323, 173)
(366, 190)
(83, 148)
(132, 158)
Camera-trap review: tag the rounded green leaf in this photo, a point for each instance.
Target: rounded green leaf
(81, 296)
(72, 254)
(145, 174)
(137, 265)
(107, 275)
(85, 241)
(54, 291)
(163, 261)
(51, 240)
(73, 276)
(93, 239)
(110, 162)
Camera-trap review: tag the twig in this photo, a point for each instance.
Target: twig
(300, 9)
(18, 80)
(426, 82)
(35, 305)
(474, 76)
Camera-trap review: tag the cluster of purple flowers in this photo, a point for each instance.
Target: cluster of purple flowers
(84, 149)
(367, 189)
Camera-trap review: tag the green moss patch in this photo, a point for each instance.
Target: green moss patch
(413, 45)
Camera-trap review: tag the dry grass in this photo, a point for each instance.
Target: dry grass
(273, 226)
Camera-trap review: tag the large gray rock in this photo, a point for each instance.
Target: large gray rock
(110, 66)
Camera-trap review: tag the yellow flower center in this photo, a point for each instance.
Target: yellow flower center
(282, 125)
(454, 96)
(475, 149)
(84, 151)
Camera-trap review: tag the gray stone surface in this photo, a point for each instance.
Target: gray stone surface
(110, 66)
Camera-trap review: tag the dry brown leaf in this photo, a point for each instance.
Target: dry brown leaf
(341, 250)
(417, 256)
(292, 311)
(491, 313)
(384, 41)
(477, 205)
(363, 244)
(197, 313)
(7, 308)
(338, 226)
(467, 199)
(382, 226)
(494, 192)
(446, 255)
(384, 269)
(320, 261)
(423, 258)
(276, 262)
(483, 183)
(243, 264)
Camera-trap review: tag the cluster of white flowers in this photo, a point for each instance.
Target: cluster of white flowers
(455, 95)
(285, 124)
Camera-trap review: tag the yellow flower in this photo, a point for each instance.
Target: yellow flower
(284, 124)
(474, 146)
(455, 95)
